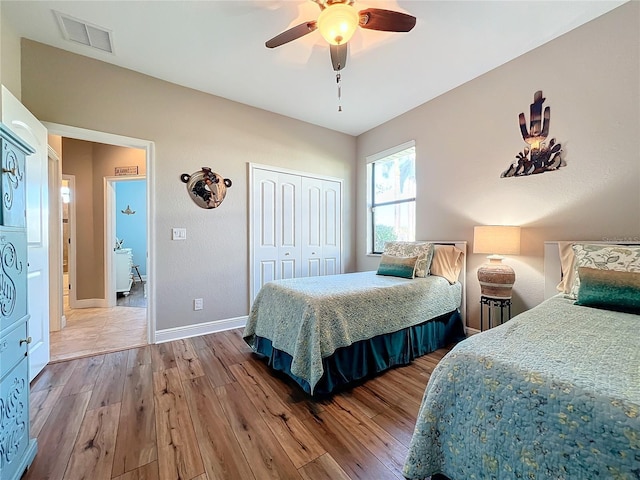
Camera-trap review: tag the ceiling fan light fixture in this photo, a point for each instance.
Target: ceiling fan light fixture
(338, 22)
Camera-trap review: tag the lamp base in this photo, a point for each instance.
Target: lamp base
(496, 279)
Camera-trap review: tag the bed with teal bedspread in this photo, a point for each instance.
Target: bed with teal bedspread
(552, 394)
(301, 324)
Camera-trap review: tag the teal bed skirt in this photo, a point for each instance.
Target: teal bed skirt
(367, 358)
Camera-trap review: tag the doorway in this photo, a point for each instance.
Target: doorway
(95, 322)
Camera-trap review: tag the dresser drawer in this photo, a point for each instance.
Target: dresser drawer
(13, 276)
(14, 411)
(11, 350)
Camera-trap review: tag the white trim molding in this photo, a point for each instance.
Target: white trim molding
(188, 331)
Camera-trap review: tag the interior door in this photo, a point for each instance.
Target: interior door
(26, 126)
(276, 217)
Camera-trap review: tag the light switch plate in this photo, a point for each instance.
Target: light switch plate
(178, 234)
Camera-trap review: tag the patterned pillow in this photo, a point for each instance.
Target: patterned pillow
(424, 251)
(403, 267)
(609, 289)
(603, 257)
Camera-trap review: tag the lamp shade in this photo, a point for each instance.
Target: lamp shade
(496, 240)
(338, 22)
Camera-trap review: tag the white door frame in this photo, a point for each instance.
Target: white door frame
(73, 300)
(149, 147)
(57, 319)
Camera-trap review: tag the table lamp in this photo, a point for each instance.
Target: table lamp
(496, 278)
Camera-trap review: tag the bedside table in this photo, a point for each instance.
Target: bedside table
(491, 303)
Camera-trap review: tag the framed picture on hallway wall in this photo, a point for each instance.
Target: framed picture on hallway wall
(126, 170)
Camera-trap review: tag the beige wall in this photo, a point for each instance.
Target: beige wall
(190, 129)
(78, 161)
(9, 58)
(467, 137)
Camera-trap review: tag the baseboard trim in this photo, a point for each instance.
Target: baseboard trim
(472, 331)
(178, 333)
(90, 303)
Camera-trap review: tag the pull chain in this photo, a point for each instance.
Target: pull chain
(338, 80)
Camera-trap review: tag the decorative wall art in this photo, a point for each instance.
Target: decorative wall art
(206, 188)
(120, 171)
(537, 157)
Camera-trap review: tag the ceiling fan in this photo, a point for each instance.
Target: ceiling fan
(337, 23)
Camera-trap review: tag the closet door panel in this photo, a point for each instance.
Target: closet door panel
(332, 227)
(312, 227)
(289, 219)
(288, 215)
(296, 226)
(267, 272)
(265, 229)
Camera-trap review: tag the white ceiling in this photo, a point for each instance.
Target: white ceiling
(218, 47)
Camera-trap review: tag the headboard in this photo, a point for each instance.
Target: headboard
(553, 268)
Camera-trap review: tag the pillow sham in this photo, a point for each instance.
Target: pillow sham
(403, 267)
(447, 262)
(423, 250)
(609, 289)
(567, 264)
(604, 257)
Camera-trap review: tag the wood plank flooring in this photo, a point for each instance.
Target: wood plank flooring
(206, 408)
(136, 298)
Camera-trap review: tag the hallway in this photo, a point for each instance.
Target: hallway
(92, 331)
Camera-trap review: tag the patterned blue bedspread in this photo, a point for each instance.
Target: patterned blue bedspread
(552, 394)
(309, 318)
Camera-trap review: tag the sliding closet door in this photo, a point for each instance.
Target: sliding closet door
(288, 219)
(296, 228)
(321, 227)
(276, 227)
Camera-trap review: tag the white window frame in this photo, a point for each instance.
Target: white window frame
(370, 160)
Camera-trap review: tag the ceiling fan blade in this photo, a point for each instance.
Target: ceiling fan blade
(386, 20)
(292, 34)
(339, 56)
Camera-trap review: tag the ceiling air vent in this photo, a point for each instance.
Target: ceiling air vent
(82, 32)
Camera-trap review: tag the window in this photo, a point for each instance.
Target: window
(392, 196)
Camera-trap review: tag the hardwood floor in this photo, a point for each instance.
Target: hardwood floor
(137, 296)
(206, 408)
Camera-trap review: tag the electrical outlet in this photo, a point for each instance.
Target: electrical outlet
(178, 234)
(198, 304)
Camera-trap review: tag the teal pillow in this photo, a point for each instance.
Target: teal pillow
(404, 267)
(609, 289)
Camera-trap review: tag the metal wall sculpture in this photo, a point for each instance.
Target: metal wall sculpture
(537, 156)
(206, 188)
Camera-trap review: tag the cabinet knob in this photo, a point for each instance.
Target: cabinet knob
(12, 171)
(27, 340)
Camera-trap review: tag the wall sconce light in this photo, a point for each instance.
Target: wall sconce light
(128, 211)
(496, 278)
